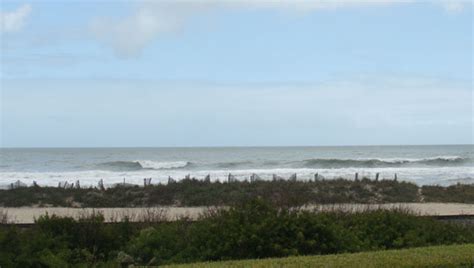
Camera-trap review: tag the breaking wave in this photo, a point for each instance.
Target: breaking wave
(142, 164)
(441, 161)
(316, 163)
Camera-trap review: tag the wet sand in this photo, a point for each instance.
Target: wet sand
(27, 215)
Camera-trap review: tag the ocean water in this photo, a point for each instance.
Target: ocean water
(443, 165)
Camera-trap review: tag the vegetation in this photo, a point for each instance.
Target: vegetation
(460, 193)
(254, 229)
(437, 256)
(192, 192)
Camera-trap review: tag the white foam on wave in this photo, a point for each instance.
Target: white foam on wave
(162, 165)
(421, 176)
(400, 159)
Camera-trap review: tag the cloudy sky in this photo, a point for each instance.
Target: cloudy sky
(235, 73)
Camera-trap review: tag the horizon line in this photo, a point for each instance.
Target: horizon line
(229, 146)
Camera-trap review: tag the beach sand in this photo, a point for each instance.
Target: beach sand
(27, 215)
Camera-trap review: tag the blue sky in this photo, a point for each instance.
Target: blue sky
(235, 73)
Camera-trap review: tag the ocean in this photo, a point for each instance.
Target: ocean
(423, 165)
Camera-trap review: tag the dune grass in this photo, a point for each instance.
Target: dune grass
(436, 256)
(193, 192)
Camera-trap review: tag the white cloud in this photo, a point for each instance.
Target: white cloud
(374, 109)
(454, 6)
(129, 35)
(14, 21)
(308, 5)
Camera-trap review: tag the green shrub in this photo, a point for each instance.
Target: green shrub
(253, 229)
(256, 229)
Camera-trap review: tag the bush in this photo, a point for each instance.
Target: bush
(256, 229)
(253, 229)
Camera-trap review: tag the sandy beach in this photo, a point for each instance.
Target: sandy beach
(27, 215)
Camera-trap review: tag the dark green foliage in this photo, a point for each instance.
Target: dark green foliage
(59, 241)
(258, 230)
(191, 192)
(253, 229)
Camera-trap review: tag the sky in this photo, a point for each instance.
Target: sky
(235, 73)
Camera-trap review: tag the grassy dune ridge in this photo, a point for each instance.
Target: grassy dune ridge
(435, 256)
(192, 192)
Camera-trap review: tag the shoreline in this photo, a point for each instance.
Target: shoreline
(27, 215)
